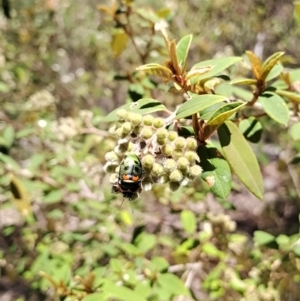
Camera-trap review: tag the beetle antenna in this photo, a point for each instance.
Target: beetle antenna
(131, 207)
(121, 204)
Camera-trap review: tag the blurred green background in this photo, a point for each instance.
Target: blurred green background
(60, 72)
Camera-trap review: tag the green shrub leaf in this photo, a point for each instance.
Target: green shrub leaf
(122, 292)
(241, 158)
(263, 238)
(172, 284)
(251, 129)
(182, 50)
(269, 63)
(225, 112)
(157, 69)
(188, 221)
(295, 131)
(293, 96)
(216, 171)
(100, 296)
(218, 65)
(142, 106)
(8, 135)
(197, 104)
(276, 108)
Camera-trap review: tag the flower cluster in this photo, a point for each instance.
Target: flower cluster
(165, 156)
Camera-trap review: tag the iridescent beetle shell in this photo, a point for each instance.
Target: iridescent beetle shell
(130, 176)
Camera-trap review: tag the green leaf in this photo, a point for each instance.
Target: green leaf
(143, 288)
(172, 284)
(8, 135)
(294, 131)
(238, 284)
(9, 160)
(142, 106)
(101, 296)
(225, 112)
(276, 108)
(145, 242)
(243, 81)
(241, 158)
(36, 160)
(182, 50)
(293, 96)
(297, 10)
(119, 42)
(216, 171)
(276, 70)
(121, 292)
(156, 69)
(160, 263)
(296, 249)
(251, 129)
(54, 196)
(211, 250)
(269, 63)
(283, 240)
(263, 238)
(129, 249)
(296, 159)
(256, 64)
(4, 87)
(218, 65)
(188, 221)
(198, 103)
(242, 93)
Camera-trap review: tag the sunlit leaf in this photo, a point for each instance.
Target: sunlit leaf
(198, 71)
(9, 135)
(122, 292)
(54, 196)
(156, 69)
(119, 42)
(295, 131)
(174, 58)
(218, 65)
(145, 242)
(275, 72)
(100, 296)
(211, 250)
(276, 108)
(4, 87)
(188, 221)
(251, 129)
(269, 63)
(142, 106)
(256, 64)
(242, 93)
(225, 112)
(148, 14)
(216, 171)
(297, 10)
(241, 158)
(182, 50)
(244, 81)
(9, 160)
(171, 283)
(198, 103)
(293, 96)
(263, 238)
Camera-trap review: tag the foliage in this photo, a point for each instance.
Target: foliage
(200, 129)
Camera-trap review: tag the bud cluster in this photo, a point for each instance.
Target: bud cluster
(165, 156)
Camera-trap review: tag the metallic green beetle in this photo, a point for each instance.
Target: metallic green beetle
(130, 176)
